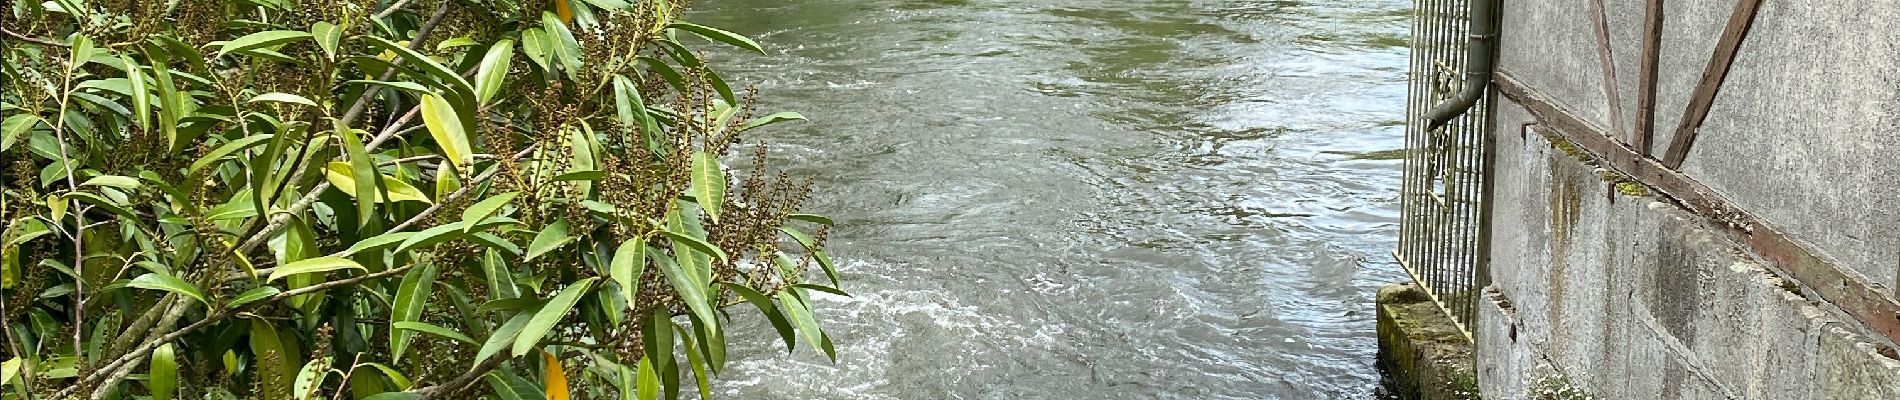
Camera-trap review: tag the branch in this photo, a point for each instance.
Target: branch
(146, 349)
(462, 382)
(40, 41)
(278, 222)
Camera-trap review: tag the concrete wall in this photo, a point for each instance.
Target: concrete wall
(1614, 296)
(1617, 296)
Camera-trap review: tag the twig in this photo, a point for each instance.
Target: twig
(391, 10)
(40, 41)
(462, 382)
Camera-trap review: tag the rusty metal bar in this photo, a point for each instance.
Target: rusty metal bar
(1852, 292)
(1712, 77)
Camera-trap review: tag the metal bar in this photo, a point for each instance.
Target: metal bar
(1712, 77)
(1845, 288)
(1646, 80)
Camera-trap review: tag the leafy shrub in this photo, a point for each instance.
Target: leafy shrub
(382, 199)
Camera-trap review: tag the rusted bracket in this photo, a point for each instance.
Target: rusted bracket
(1842, 287)
(1712, 76)
(1646, 79)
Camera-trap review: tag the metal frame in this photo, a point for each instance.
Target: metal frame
(1442, 228)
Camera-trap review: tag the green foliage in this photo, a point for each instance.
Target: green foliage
(387, 199)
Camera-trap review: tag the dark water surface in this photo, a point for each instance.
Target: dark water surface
(1084, 199)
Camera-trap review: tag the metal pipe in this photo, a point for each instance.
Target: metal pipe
(1480, 60)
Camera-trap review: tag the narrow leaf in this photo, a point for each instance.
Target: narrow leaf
(487, 207)
(553, 377)
(771, 119)
(432, 329)
(494, 68)
(629, 262)
(15, 126)
(709, 184)
(766, 307)
(446, 127)
(327, 36)
(163, 378)
(261, 39)
(282, 97)
(552, 237)
(319, 264)
(253, 295)
(719, 35)
(694, 242)
(141, 96)
(157, 281)
(227, 149)
(411, 297)
(549, 315)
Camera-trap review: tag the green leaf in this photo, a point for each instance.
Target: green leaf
(14, 126)
(411, 297)
(141, 96)
(692, 291)
(811, 245)
(122, 182)
(227, 150)
(359, 164)
(266, 344)
(455, 42)
(448, 78)
(486, 207)
(694, 242)
(766, 307)
(253, 295)
(800, 314)
(309, 376)
(394, 396)
(425, 327)
(318, 264)
(343, 178)
(172, 102)
(506, 334)
(718, 35)
(377, 241)
(709, 184)
(327, 36)
(813, 218)
(282, 97)
(629, 262)
(821, 288)
(163, 377)
(565, 48)
(157, 281)
(771, 119)
(434, 235)
(587, 176)
(494, 68)
(550, 314)
(534, 42)
(402, 382)
(552, 237)
(261, 39)
(446, 127)
(649, 386)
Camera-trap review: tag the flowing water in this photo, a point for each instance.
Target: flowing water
(1084, 199)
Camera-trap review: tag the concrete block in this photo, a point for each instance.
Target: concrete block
(1850, 368)
(1422, 353)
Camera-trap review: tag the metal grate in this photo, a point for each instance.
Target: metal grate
(1441, 228)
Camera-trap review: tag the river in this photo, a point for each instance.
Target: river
(1083, 199)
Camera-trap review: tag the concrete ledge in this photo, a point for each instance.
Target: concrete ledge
(1422, 353)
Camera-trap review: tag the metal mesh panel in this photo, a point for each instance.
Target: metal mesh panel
(1441, 221)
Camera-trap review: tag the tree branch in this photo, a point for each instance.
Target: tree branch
(40, 41)
(146, 349)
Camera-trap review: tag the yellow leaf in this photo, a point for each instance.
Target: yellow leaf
(556, 379)
(446, 127)
(562, 9)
